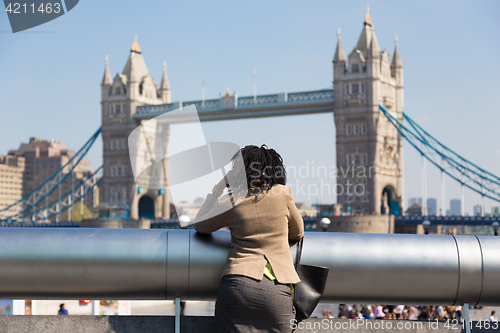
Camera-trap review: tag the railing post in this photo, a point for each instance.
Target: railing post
(46, 200)
(94, 192)
(466, 317)
(58, 208)
(82, 201)
(177, 315)
(95, 307)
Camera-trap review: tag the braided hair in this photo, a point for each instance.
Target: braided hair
(263, 167)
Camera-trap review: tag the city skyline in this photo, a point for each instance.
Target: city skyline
(66, 87)
(453, 207)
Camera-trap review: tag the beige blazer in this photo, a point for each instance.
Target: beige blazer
(260, 229)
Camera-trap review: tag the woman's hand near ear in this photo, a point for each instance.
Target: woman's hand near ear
(222, 184)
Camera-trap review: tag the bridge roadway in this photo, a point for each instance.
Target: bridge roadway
(447, 220)
(232, 107)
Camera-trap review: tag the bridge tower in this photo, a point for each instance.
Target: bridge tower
(119, 99)
(369, 148)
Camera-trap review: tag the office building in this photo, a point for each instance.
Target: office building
(43, 158)
(455, 207)
(11, 182)
(432, 206)
(413, 201)
(478, 210)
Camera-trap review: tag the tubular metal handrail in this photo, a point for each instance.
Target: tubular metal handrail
(78, 263)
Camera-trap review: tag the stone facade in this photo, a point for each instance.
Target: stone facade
(12, 169)
(120, 98)
(369, 148)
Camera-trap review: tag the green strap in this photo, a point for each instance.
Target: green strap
(268, 272)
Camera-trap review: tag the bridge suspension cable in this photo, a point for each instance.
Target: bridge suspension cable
(454, 165)
(56, 207)
(26, 206)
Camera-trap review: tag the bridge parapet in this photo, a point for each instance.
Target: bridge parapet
(447, 220)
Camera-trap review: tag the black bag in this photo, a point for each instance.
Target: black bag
(307, 293)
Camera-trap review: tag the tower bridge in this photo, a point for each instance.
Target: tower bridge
(364, 136)
(366, 102)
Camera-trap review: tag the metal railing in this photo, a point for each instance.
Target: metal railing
(75, 263)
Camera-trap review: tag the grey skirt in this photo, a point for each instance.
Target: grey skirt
(247, 305)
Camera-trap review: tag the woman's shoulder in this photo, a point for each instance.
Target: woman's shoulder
(280, 189)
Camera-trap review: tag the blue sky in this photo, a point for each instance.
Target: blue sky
(51, 74)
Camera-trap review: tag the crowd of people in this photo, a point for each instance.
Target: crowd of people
(405, 312)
